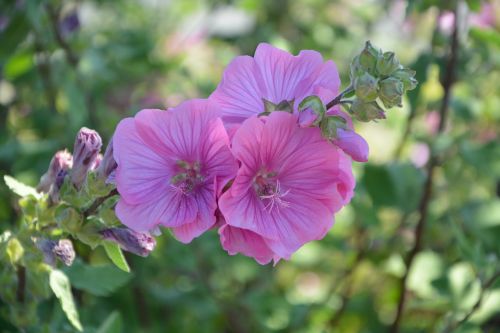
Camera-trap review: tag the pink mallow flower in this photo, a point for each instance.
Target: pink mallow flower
(275, 76)
(290, 183)
(172, 165)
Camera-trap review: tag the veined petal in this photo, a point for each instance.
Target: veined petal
(142, 175)
(237, 240)
(240, 91)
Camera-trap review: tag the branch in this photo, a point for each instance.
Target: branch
(97, 202)
(448, 81)
(21, 284)
(338, 99)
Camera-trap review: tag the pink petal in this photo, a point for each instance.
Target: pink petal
(141, 217)
(142, 175)
(237, 240)
(352, 144)
(288, 77)
(240, 92)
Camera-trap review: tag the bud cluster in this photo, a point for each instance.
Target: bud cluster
(378, 75)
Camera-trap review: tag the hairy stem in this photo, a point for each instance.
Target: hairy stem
(97, 202)
(427, 192)
(338, 99)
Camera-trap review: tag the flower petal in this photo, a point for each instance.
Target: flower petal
(240, 91)
(352, 144)
(142, 175)
(237, 240)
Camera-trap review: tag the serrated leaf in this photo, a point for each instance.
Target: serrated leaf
(19, 188)
(115, 253)
(112, 324)
(99, 280)
(60, 285)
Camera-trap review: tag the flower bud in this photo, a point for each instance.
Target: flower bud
(366, 111)
(135, 242)
(366, 87)
(311, 111)
(406, 76)
(356, 69)
(56, 187)
(330, 125)
(62, 160)
(87, 146)
(387, 63)
(391, 92)
(62, 249)
(352, 144)
(368, 57)
(108, 163)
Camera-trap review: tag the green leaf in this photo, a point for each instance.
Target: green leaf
(112, 324)
(15, 250)
(99, 280)
(115, 253)
(60, 285)
(19, 188)
(379, 185)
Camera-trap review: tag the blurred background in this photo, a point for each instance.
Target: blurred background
(68, 64)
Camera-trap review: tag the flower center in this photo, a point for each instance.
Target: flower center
(188, 177)
(269, 190)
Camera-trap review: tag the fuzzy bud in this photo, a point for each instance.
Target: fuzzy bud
(87, 146)
(387, 63)
(366, 111)
(368, 57)
(131, 241)
(62, 249)
(366, 87)
(108, 163)
(311, 111)
(330, 125)
(62, 161)
(406, 76)
(391, 92)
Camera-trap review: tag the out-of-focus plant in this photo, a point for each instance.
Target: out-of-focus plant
(90, 63)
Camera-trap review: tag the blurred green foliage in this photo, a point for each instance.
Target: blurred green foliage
(67, 64)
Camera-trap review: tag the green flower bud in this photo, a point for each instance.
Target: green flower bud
(366, 87)
(369, 56)
(366, 111)
(406, 76)
(387, 63)
(329, 126)
(391, 92)
(356, 68)
(311, 111)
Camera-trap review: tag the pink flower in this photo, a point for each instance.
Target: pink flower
(276, 76)
(290, 183)
(172, 165)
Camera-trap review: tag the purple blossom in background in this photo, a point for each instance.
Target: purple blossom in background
(70, 23)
